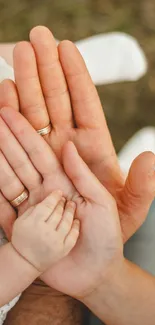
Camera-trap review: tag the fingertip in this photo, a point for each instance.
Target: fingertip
(145, 157)
(58, 192)
(69, 52)
(69, 148)
(77, 223)
(70, 144)
(7, 83)
(5, 112)
(71, 205)
(40, 33)
(70, 158)
(5, 109)
(8, 94)
(143, 168)
(66, 45)
(140, 183)
(20, 47)
(56, 195)
(23, 55)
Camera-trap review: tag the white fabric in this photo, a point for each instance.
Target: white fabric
(6, 72)
(143, 140)
(7, 307)
(113, 57)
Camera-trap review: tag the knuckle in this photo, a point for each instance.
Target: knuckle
(34, 108)
(35, 182)
(56, 91)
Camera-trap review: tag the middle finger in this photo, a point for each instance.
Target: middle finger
(52, 78)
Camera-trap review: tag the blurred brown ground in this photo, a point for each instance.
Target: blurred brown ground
(128, 106)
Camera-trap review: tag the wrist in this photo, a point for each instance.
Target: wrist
(15, 272)
(125, 297)
(108, 294)
(24, 261)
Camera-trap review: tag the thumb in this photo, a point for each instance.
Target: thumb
(138, 193)
(82, 178)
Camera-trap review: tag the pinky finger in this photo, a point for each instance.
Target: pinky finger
(8, 94)
(72, 237)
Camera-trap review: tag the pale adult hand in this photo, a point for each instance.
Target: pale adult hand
(35, 167)
(100, 241)
(83, 269)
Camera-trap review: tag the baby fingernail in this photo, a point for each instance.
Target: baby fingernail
(59, 192)
(72, 204)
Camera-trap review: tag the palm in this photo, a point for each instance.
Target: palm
(72, 275)
(78, 272)
(83, 139)
(91, 144)
(52, 181)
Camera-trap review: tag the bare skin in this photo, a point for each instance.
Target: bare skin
(44, 96)
(19, 168)
(42, 236)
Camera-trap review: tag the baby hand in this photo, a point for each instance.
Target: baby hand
(46, 232)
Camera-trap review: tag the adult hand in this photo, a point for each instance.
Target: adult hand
(35, 167)
(26, 161)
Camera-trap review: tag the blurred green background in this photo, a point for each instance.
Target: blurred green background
(128, 106)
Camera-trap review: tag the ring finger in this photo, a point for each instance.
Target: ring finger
(10, 186)
(13, 155)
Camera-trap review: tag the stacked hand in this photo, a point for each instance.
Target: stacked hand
(47, 232)
(54, 86)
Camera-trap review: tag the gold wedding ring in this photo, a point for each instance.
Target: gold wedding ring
(19, 199)
(45, 130)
